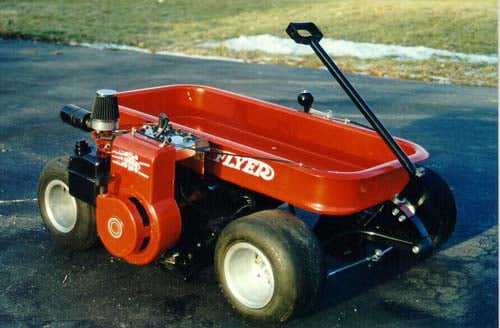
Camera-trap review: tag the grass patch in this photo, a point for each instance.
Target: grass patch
(468, 26)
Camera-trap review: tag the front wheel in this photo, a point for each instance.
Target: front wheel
(269, 265)
(70, 221)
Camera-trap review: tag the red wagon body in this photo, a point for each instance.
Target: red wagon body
(317, 164)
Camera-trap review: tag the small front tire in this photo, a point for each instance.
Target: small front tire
(70, 221)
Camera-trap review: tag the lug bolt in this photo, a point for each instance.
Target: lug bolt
(402, 218)
(395, 211)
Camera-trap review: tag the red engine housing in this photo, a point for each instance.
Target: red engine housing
(138, 218)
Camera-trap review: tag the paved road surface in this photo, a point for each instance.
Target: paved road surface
(42, 285)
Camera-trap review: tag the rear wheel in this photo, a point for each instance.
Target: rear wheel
(434, 204)
(269, 265)
(70, 221)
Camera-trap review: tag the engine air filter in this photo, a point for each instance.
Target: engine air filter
(105, 114)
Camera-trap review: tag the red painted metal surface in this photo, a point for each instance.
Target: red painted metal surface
(313, 163)
(138, 218)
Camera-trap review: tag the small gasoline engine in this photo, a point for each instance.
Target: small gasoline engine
(137, 215)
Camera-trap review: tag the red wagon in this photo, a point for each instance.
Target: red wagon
(184, 174)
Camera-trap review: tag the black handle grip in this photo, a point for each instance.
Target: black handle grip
(294, 28)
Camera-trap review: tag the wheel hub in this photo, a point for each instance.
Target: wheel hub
(249, 275)
(61, 206)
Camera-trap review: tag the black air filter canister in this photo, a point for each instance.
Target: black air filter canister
(105, 114)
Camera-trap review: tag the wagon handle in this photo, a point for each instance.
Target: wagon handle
(314, 32)
(313, 41)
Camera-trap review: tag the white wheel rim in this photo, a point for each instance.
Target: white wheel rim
(60, 206)
(249, 275)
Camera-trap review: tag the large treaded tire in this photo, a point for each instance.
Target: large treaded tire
(70, 221)
(291, 252)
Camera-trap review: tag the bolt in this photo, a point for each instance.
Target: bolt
(420, 172)
(398, 199)
(395, 211)
(415, 249)
(402, 218)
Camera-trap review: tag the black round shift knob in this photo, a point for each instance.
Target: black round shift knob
(305, 99)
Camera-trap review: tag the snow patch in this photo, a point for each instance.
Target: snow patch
(441, 79)
(275, 45)
(114, 46)
(180, 54)
(110, 46)
(15, 201)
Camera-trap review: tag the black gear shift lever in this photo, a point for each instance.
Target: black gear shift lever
(305, 99)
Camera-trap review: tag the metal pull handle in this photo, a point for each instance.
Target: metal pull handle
(313, 41)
